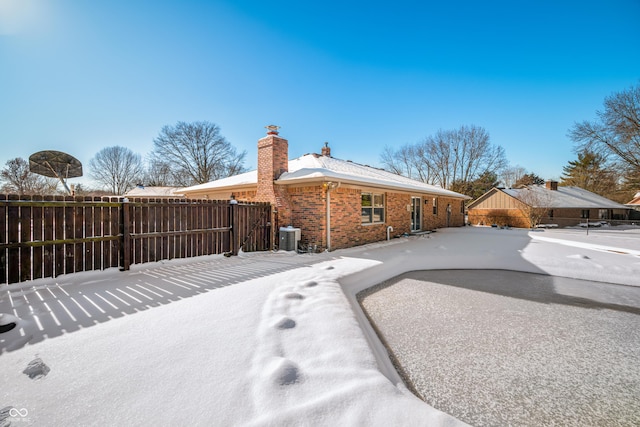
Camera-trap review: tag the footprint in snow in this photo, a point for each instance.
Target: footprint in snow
(286, 323)
(578, 256)
(311, 284)
(294, 295)
(36, 369)
(329, 267)
(285, 372)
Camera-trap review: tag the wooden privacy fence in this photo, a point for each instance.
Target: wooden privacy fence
(46, 236)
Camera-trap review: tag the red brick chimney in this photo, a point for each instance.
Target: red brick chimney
(273, 161)
(551, 185)
(273, 158)
(326, 151)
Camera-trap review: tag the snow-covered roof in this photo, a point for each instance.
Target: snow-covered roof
(241, 180)
(635, 201)
(566, 197)
(141, 191)
(313, 167)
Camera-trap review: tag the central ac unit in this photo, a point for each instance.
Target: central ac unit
(289, 238)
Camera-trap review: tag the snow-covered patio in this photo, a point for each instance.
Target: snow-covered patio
(285, 344)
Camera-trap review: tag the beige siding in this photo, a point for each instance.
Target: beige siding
(498, 200)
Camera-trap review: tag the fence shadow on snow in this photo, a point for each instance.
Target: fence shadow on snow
(48, 308)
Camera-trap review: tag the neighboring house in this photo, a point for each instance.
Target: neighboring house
(155, 192)
(635, 202)
(546, 204)
(336, 203)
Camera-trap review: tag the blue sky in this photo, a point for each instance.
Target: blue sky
(78, 76)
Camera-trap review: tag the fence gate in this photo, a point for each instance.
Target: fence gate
(46, 236)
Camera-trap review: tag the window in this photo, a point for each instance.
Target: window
(372, 208)
(462, 207)
(435, 206)
(584, 213)
(603, 213)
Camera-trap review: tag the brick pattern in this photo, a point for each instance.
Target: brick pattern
(246, 196)
(273, 153)
(447, 207)
(309, 214)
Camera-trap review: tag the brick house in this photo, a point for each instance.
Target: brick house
(335, 203)
(559, 206)
(635, 202)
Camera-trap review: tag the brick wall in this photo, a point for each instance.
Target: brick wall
(397, 214)
(308, 209)
(309, 214)
(246, 196)
(431, 221)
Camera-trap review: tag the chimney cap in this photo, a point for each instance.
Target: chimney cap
(326, 150)
(272, 129)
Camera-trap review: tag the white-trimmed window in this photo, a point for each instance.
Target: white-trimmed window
(372, 208)
(435, 206)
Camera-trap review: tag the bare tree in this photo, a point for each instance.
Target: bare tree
(197, 153)
(616, 132)
(536, 203)
(17, 178)
(452, 156)
(512, 174)
(409, 160)
(117, 168)
(158, 174)
(394, 162)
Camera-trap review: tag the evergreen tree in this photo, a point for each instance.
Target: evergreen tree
(476, 188)
(529, 179)
(590, 172)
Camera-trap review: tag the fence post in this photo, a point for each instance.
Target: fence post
(233, 241)
(125, 237)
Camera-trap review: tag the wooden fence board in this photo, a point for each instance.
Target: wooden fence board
(98, 247)
(25, 236)
(58, 235)
(145, 230)
(88, 232)
(48, 229)
(36, 235)
(13, 258)
(68, 232)
(78, 233)
(114, 230)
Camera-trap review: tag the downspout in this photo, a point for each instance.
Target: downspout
(329, 186)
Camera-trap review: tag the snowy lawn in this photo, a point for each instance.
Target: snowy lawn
(263, 340)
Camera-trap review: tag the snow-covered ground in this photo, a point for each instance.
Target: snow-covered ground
(263, 339)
